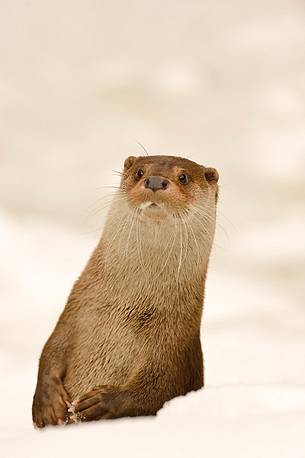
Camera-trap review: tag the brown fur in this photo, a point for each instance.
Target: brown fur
(129, 337)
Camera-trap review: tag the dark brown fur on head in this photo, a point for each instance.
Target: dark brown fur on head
(179, 193)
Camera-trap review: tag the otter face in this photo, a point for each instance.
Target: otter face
(162, 185)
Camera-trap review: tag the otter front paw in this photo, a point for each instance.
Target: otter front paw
(50, 404)
(100, 403)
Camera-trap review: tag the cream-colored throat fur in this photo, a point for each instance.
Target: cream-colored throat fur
(144, 248)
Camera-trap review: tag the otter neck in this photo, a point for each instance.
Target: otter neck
(140, 251)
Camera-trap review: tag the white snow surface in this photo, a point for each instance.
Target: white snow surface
(219, 82)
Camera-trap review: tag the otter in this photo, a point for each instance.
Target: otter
(128, 339)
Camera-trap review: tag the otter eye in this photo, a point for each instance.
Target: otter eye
(139, 174)
(184, 179)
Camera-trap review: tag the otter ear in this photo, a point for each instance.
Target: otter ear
(128, 162)
(211, 175)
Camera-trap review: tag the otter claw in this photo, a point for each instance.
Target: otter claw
(77, 417)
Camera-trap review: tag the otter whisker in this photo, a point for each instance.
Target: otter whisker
(220, 212)
(99, 209)
(126, 225)
(190, 228)
(120, 229)
(116, 172)
(143, 147)
(133, 218)
(106, 198)
(181, 251)
(187, 236)
(209, 216)
(169, 254)
(205, 228)
(204, 212)
(140, 253)
(110, 187)
(200, 223)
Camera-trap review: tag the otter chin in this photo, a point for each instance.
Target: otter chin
(154, 211)
(128, 339)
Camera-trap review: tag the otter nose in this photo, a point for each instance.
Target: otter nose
(156, 183)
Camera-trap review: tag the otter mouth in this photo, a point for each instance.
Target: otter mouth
(150, 206)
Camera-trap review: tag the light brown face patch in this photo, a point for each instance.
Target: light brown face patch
(188, 181)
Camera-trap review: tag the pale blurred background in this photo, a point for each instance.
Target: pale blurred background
(222, 83)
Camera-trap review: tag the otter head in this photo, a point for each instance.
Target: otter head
(162, 186)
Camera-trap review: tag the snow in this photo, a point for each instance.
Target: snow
(219, 82)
